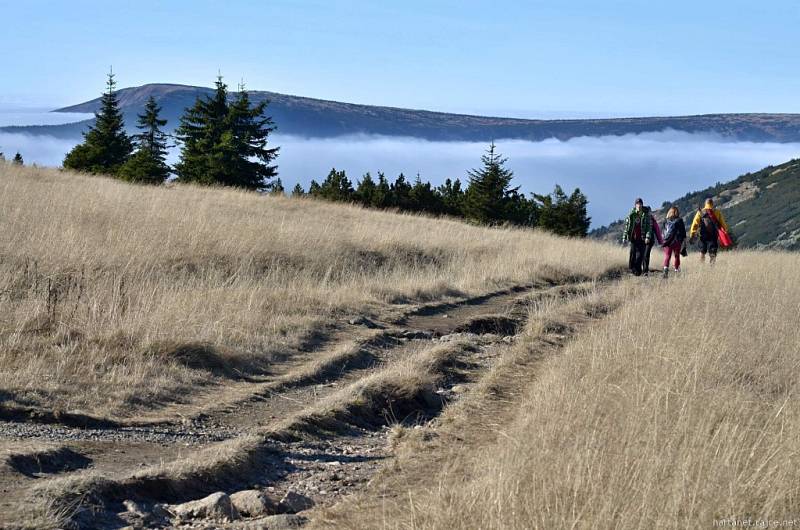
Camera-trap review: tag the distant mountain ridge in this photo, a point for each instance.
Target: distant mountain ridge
(762, 208)
(310, 117)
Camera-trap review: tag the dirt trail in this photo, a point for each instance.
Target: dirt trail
(322, 466)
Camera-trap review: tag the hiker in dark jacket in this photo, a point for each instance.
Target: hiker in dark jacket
(655, 235)
(638, 230)
(706, 224)
(674, 235)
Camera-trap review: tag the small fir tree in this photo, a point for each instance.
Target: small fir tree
(106, 146)
(365, 191)
(336, 187)
(452, 197)
(276, 188)
(424, 198)
(17, 160)
(400, 194)
(578, 214)
(148, 163)
(382, 198)
(298, 191)
(486, 196)
(562, 214)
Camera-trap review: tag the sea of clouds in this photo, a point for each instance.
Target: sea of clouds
(611, 170)
(35, 116)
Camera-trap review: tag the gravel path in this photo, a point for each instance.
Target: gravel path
(157, 435)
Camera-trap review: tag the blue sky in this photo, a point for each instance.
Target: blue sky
(610, 57)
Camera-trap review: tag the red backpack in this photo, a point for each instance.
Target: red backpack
(711, 229)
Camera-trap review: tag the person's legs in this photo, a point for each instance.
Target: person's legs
(646, 260)
(703, 251)
(667, 255)
(642, 252)
(677, 251)
(713, 246)
(638, 256)
(632, 258)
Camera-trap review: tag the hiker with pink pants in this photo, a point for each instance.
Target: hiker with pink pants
(674, 235)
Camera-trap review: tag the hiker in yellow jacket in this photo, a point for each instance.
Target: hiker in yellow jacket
(706, 224)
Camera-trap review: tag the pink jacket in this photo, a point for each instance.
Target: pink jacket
(657, 230)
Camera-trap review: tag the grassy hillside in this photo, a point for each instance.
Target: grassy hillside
(762, 208)
(320, 118)
(398, 371)
(143, 295)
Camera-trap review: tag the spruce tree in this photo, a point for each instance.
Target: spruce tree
(382, 198)
(423, 198)
(106, 145)
(276, 188)
(249, 128)
(519, 210)
(148, 163)
(365, 191)
(201, 134)
(400, 195)
(226, 144)
(486, 197)
(563, 215)
(17, 160)
(452, 197)
(336, 187)
(578, 214)
(298, 191)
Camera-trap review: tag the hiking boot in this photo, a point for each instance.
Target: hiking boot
(666, 272)
(677, 271)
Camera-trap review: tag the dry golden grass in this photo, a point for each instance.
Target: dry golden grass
(404, 386)
(680, 410)
(115, 297)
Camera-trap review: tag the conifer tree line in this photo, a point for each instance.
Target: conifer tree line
(488, 197)
(223, 141)
(16, 160)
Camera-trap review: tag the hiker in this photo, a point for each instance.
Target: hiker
(649, 246)
(674, 237)
(639, 231)
(706, 224)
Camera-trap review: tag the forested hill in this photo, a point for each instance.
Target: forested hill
(319, 118)
(762, 208)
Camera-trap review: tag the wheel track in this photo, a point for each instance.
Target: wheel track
(281, 439)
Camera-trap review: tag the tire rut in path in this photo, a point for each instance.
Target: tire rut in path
(232, 415)
(343, 460)
(116, 449)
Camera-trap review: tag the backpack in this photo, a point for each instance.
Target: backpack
(708, 226)
(670, 231)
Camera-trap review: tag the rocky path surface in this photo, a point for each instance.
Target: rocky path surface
(294, 472)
